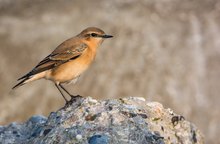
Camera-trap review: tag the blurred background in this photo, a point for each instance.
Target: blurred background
(166, 51)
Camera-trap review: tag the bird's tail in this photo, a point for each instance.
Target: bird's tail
(28, 79)
(21, 83)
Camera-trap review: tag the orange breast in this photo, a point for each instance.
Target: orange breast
(72, 69)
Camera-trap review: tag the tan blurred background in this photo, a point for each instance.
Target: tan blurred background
(166, 51)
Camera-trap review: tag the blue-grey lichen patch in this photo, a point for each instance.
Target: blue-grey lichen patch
(98, 139)
(89, 121)
(21, 133)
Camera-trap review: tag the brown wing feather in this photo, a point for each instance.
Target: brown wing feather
(58, 57)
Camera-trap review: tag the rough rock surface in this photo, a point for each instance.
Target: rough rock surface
(88, 121)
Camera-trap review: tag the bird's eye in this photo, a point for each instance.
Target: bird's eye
(94, 35)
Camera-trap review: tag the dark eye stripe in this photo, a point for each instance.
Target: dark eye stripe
(94, 35)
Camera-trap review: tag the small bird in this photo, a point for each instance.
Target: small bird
(68, 61)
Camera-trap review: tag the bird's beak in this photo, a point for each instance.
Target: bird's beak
(106, 36)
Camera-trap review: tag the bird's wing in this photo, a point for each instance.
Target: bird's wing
(57, 58)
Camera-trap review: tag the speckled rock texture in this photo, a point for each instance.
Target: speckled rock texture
(89, 121)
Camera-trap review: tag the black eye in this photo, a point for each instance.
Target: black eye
(94, 35)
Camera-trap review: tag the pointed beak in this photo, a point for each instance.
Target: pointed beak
(107, 36)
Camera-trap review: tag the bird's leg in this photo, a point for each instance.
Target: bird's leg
(68, 92)
(61, 92)
(65, 90)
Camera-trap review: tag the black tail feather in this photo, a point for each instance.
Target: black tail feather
(20, 83)
(25, 76)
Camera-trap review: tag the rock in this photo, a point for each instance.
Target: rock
(88, 121)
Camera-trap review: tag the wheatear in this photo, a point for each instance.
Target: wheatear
(68, 61)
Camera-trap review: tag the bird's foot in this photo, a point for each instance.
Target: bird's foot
(73, 99)
(76, 96)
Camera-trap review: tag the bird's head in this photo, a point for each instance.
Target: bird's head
(94, 35)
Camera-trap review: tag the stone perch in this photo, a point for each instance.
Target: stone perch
(89, 121)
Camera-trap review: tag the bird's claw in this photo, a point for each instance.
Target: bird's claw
(73, 99)
(76, 96)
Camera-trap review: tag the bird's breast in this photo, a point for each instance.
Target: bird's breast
(72, 69)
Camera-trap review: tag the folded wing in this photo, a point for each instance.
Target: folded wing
(57, 58)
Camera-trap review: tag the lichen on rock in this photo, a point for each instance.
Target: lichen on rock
(88, 121)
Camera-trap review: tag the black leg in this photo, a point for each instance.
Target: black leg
(69, 93)
(65, 90)
(61, 92)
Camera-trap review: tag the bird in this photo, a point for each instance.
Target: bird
(68, 61)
